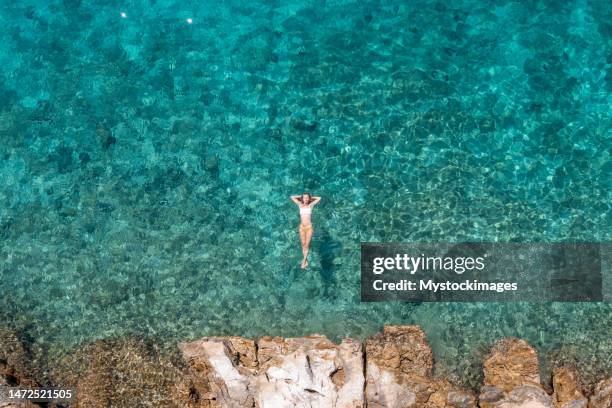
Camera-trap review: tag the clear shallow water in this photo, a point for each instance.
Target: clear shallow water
(147, 163)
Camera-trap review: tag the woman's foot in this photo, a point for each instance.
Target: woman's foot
(304, 263)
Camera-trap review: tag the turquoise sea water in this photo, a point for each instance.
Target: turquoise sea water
(146, 163)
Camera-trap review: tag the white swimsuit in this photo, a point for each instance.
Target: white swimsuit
(305, 210)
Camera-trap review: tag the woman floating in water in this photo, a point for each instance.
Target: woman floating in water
(306, 202)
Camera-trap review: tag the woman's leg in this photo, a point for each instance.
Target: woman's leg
(306, 246)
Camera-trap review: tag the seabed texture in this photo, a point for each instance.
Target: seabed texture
(147, 161)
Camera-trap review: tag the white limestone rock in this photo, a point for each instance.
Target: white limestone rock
(275, 372)
(309, 372)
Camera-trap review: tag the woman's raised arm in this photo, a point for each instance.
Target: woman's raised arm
(296, 199)
(315, 201)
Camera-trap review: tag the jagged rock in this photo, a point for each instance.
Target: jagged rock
(578, 403)
(511, 363)
(296, 372)
(567, 388)
(523, 396)
(399, 364)
(461, 399)
(274, 372)
(310, 372)
(224, 369)
(490, 396)
(512, 377)
(602, 396)
(526, 396)
(401, 348)
(443, 394)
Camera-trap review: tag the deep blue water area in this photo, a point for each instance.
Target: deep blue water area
(147, 163)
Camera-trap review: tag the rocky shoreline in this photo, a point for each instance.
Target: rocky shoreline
(392, 369)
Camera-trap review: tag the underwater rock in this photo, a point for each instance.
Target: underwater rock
(84, 157)
(105, 136)
(14, 367)
(120, 373)
(63, 159)
(304, 126)
(211, 165)
(14, 361)
(511, 363)
(17, 405)
(602, 396)
(567, 388)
